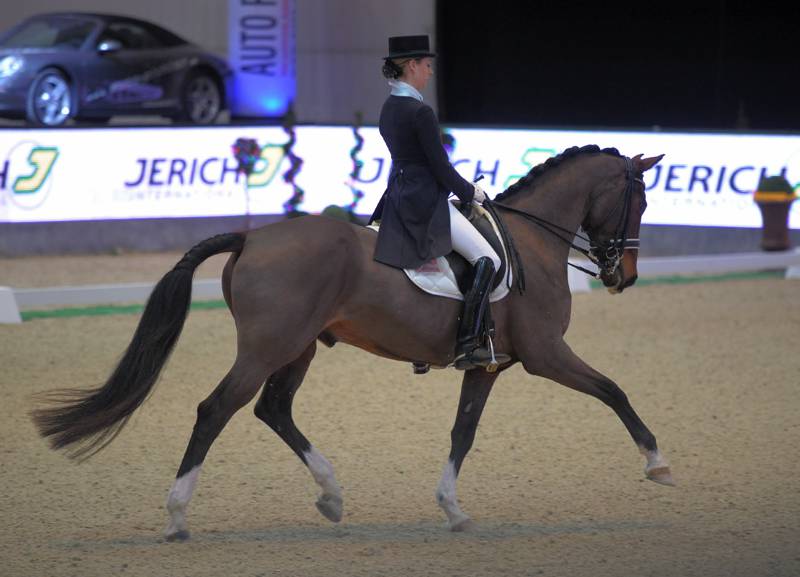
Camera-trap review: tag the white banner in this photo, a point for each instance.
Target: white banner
(101, 174)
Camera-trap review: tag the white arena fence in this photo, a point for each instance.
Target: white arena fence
(14, 300)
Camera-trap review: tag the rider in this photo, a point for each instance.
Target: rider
(417, 221)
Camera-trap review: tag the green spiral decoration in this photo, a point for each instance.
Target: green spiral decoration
(357, 164)
(295, 163)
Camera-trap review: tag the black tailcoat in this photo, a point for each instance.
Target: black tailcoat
(415, 222)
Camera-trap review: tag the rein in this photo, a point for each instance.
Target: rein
(606, 256)
(514, 262)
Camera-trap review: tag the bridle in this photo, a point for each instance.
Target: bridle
(607, 255)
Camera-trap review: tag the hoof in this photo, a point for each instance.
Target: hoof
(331, 507)
(661, 475)
(463, 526)
(182, 535)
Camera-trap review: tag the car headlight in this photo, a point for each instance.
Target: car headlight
(10, 65)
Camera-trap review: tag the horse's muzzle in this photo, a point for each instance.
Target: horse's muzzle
(614, 283)
(624, 276)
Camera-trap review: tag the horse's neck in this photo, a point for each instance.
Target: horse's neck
(560, 201)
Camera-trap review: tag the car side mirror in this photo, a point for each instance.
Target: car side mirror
(109, 45)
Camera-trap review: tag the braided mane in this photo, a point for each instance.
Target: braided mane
(550, 163)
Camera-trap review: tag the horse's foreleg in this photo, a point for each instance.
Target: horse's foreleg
(475, 389)
(274, 407)
(566, 368)
(234, 391)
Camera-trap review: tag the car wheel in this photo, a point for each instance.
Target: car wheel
(201, 99)
(50, 101)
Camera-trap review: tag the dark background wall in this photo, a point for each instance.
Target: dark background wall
(724, 64)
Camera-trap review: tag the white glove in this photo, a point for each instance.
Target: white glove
(480, 196)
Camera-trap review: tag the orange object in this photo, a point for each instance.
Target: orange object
(774, 198)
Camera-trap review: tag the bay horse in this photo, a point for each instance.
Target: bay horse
(295, 282)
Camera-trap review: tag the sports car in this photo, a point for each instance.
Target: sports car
(89, 67)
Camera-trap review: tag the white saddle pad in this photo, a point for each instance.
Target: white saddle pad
(436, 277)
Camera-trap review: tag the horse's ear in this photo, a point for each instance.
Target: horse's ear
(643, 164)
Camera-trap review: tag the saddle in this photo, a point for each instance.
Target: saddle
(451, 275)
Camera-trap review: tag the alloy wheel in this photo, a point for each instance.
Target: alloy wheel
(52, 100)
(202, 100)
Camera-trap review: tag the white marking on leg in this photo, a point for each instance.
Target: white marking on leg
(178, 500)
(330, 502)
(655, 460)
(322, 471)
(446, 496)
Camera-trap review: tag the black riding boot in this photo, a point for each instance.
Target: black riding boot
(470, 350)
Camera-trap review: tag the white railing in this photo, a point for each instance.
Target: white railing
(14, 300)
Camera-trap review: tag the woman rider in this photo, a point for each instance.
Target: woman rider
(417, 221)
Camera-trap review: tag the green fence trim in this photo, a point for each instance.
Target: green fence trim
(106, 310)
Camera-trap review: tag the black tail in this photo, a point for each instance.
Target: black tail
(89, 420)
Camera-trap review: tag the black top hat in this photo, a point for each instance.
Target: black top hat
(408, 46)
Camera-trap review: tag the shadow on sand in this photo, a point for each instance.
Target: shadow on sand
(423, 532)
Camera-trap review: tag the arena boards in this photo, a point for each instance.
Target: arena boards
(12, 301)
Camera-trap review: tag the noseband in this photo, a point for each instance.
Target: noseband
(606, 255)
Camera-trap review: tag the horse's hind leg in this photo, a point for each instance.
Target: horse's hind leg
(475, 389)
(565, 367)
(274, 407)
(234, 391)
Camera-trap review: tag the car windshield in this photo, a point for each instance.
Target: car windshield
(57, 32)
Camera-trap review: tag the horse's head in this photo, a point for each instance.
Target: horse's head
(613, 220)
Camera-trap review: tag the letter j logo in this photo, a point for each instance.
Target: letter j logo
(40, 162)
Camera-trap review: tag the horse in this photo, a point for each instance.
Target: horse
(293, 283)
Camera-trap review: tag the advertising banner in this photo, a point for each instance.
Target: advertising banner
(261, 51)
(101, 174)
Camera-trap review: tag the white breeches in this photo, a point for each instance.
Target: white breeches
(467, 241)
